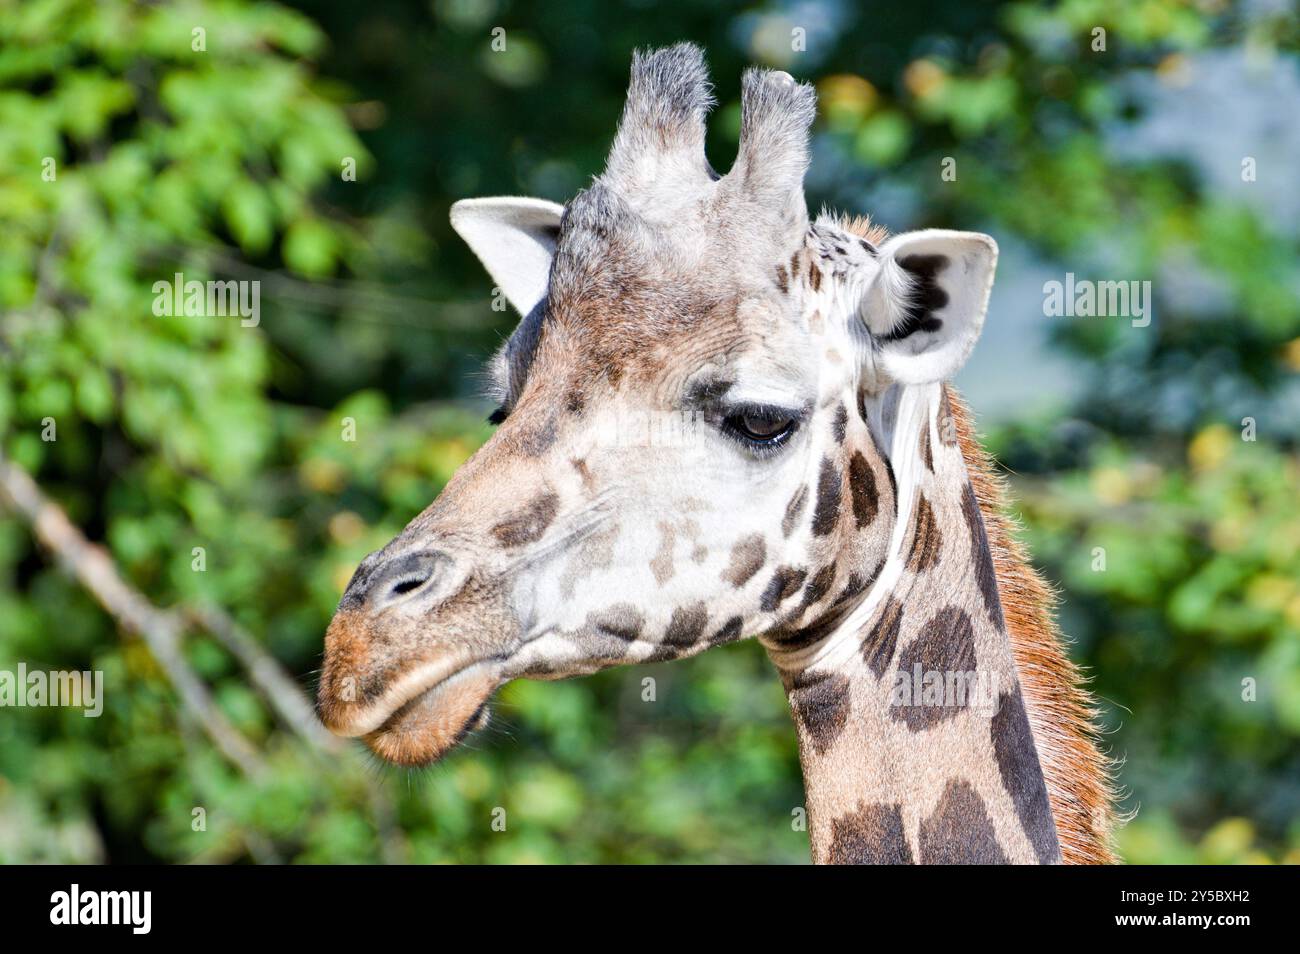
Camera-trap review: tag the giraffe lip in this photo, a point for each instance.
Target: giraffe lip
(431, 720)
(421, 680)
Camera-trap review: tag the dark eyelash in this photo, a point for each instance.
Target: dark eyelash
(498, 416)
(769, 413)
(764, 412)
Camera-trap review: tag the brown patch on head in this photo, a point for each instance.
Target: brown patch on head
(527, 525)
(622, 314)
(584, 473)
(686, 627)
(747, 558)
(821, 707)
(1013, 746)
(881, 640)
(534, 440)
(785, 581)
(818, 586)
(960, 832)
(729, 632)
(947, 647)
(862, 490)
(622, 621)
(872, 835)
(839, 426)
(829, 490)
(804, 636)
(793, 509)
(814, 275)
(782, 279)
(926, 547)
(662, 565)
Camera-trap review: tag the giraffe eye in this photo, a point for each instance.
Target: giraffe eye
(761, 427)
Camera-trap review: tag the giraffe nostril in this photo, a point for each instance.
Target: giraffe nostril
(406, 576)
(405, 586)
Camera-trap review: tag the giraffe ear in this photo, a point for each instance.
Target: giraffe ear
(925, 307)
(514, 238)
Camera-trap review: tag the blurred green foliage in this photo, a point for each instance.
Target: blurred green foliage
(229, 161)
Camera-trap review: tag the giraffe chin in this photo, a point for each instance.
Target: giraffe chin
(427, 726)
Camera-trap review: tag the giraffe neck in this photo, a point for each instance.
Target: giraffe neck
(913, 736)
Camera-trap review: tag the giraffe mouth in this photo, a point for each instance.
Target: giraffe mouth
(430, 720)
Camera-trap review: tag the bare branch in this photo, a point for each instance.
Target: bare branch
(280, 691)
(161, 630)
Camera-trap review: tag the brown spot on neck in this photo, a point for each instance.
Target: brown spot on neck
(960, 832)
(1017, 758)
(862, 490)
(820, 703)
(926, 548)
(747, 558)
(946, 648)
(784, 584)
(829, 491)
(882, 638)
(872, 835)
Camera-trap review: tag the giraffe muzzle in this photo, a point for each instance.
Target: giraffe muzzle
(414, 652)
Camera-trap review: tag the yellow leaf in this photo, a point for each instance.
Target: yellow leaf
(1209, 448)
(923, 78)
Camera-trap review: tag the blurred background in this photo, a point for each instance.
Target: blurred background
(1150, 140)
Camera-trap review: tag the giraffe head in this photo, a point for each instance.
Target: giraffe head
(693, 413)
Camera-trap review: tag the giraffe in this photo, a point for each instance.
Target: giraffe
(720, 420)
